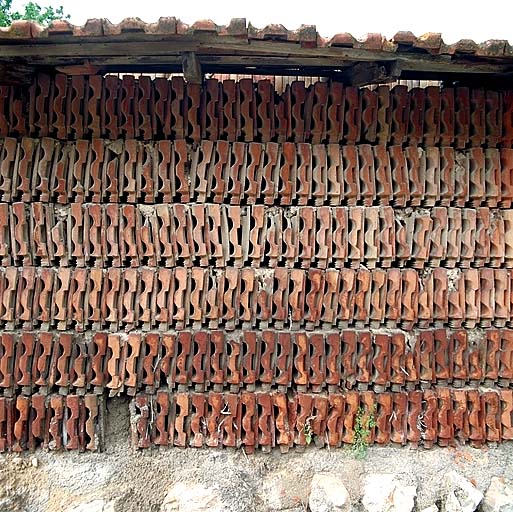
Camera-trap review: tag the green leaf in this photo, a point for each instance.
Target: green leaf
(33, 12)
(363, 424)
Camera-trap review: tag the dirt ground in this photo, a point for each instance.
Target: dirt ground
(139, 480)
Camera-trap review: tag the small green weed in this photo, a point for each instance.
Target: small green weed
(363, 424)
(307, 429)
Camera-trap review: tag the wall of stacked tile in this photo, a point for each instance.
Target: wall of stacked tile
(254, 268)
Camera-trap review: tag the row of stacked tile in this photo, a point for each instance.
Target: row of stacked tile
(142, 108)
(230, 298)
(282, 174)
(48, 362)
(255, 269)
(177, 235)
(264, 420)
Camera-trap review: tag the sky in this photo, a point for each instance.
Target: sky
(455, 19)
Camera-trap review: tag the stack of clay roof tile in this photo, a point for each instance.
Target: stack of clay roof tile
(255, 269)
(247, 111)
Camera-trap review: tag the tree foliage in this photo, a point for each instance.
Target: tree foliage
(33, 12)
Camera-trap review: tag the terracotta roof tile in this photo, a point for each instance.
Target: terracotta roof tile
(373, 42)
(92, 27)
(464, 46)
(492, 48)
(431, 42)
(404, 38)
(164, 26)
(271, 32)
(19, 30)
(236, 28)
(205, 26)
(343, 39)
(60, 27)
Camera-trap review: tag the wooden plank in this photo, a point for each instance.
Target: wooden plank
(250, 52)
(199, 45)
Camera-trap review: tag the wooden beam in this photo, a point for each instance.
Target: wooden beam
(191, 68)
(365, 73)
(175, 46)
